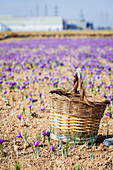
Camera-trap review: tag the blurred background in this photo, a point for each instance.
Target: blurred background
(55, 15)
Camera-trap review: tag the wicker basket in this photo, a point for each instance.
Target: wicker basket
(73, 115)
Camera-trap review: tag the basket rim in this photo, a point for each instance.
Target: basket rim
(87, 102)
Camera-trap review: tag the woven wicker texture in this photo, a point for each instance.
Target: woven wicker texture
(72, 114)
(67, 125)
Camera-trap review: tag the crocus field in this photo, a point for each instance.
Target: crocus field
(29, 69)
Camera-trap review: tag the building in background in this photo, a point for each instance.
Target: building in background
(72, 24)
(3, 27)
(38, 23)
(89, 25)
(34, 24)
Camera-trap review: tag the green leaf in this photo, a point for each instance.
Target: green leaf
(33, 148)
(25, 136)
(17, 165)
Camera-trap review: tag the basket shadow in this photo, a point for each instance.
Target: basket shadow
(101, 138)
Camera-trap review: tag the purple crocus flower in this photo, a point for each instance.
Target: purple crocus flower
(47, 133)
(42, 108)
(19, 116)
(8, 69)
(18, 86)
(110, 99)
(35, 143)
(44, 133)
(101, 83)
(63, 87)
(103, 95)
(40, 94)
(110, 95)
(19, 135)
(10, 85)
(105, 86)
(4, 92)
(39, 73)
(89, 86)
(52, 148)
(61, 83)
(46, 77)
(30, 98)
(97, 89)
(107, 114)
(30, 94)
(29, 106)
(108, 104)
(22, 87)
(41, 65)
(1, 141)
(1, 81)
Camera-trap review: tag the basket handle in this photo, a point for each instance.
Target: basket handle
(78, 81)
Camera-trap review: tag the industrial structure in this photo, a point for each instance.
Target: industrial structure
(38, 23)
(72, 24)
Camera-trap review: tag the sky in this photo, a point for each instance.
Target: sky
(100, 12)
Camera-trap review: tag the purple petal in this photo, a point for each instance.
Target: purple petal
(42, 108)
(19, 135)
(1, 141)
(52, 147)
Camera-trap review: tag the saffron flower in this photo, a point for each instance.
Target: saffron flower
(40, 94)
(30, 94)
(44, 134)
(39, 73)
(1, 141)
(48, 135)
(52, 147)
(1, 81)
(19, 135)
(33, 100)
(29, 106)
(107, 114)
(4, 92)
(30, 98)
(35, 143)
(53, 150)
(19, 116)
(42, 108)
(18, 86)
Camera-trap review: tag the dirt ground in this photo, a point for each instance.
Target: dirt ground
(79, 157)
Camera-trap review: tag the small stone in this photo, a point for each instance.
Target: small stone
(110, 147)
(108, 142)
(60, 162)
(76, 157)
